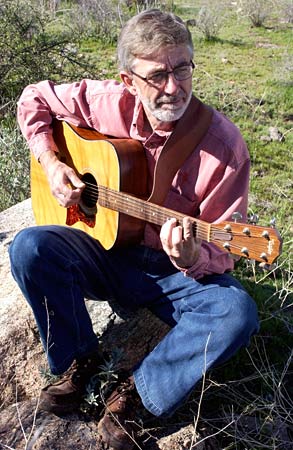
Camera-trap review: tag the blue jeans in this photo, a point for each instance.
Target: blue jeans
(211, 318)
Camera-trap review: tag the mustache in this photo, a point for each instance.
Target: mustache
(169, 98)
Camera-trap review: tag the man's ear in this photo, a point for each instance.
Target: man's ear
(128, 81)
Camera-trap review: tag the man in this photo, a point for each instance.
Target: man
(183, 280)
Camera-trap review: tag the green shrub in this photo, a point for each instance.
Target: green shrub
(14, 167)
(29, 51)
(210, 18)
(257, 11)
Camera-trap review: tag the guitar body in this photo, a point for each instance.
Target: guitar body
(113, 163)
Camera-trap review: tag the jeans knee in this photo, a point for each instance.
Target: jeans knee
(24, 249)
(244, 316)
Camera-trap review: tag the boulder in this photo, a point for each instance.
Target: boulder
(24, 370)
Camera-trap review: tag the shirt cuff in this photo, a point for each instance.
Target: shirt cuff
(41, 143)
(197, 269)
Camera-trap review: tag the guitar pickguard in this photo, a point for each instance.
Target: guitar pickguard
(75, 214)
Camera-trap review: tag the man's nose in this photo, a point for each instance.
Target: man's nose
(171, 85)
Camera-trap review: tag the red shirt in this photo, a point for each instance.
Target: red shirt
(211, 184)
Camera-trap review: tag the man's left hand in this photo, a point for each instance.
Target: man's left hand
(179, 242)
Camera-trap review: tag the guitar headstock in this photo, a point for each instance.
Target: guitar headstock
(262, 244)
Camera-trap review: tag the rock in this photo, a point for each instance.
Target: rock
(20, 351)
(40, 430)
(22, 356)
(275, 134)
(23, 363)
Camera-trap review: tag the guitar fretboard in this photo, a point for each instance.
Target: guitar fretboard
(141, 209)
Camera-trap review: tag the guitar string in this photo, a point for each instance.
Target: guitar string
(135, 204)
(197, 226)
(150, 207)
(132, 201)
(202, 234)
(159, 218)
(164, 216)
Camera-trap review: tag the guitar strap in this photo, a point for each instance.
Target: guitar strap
(188, 133)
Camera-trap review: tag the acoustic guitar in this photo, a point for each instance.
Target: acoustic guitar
(114, 207)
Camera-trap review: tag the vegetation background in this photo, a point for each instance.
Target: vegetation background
(243, 57)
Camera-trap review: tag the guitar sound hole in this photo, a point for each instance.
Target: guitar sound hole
(90, 195)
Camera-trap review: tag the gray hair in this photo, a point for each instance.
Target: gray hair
(144, 34)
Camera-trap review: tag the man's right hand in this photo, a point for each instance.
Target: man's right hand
(65, 185)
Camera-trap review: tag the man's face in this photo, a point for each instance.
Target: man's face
(164, 97)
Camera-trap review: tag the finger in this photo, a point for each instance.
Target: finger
(73, 198)
(61, 199)
(177, 236)
(62, 194)
(166, 232)
(74, 180)
(69, 197)
(74, 195)
(71, 191)
(187, 228)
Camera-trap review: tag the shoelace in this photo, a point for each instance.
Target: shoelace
(124, 393)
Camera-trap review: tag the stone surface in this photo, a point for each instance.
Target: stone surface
(23, 365)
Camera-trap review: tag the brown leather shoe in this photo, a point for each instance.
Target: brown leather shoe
(117, 428)
(65, 395)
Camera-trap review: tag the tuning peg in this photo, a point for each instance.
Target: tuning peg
(236, 216)
(267, 267)
(273, 222)
(253, 219)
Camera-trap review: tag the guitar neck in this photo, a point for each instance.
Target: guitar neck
(253, 242)
(146, 211)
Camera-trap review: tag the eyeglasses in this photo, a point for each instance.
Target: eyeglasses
(159, 79)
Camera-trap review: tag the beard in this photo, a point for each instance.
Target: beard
(172, 112)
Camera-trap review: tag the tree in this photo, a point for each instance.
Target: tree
(30, 52)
